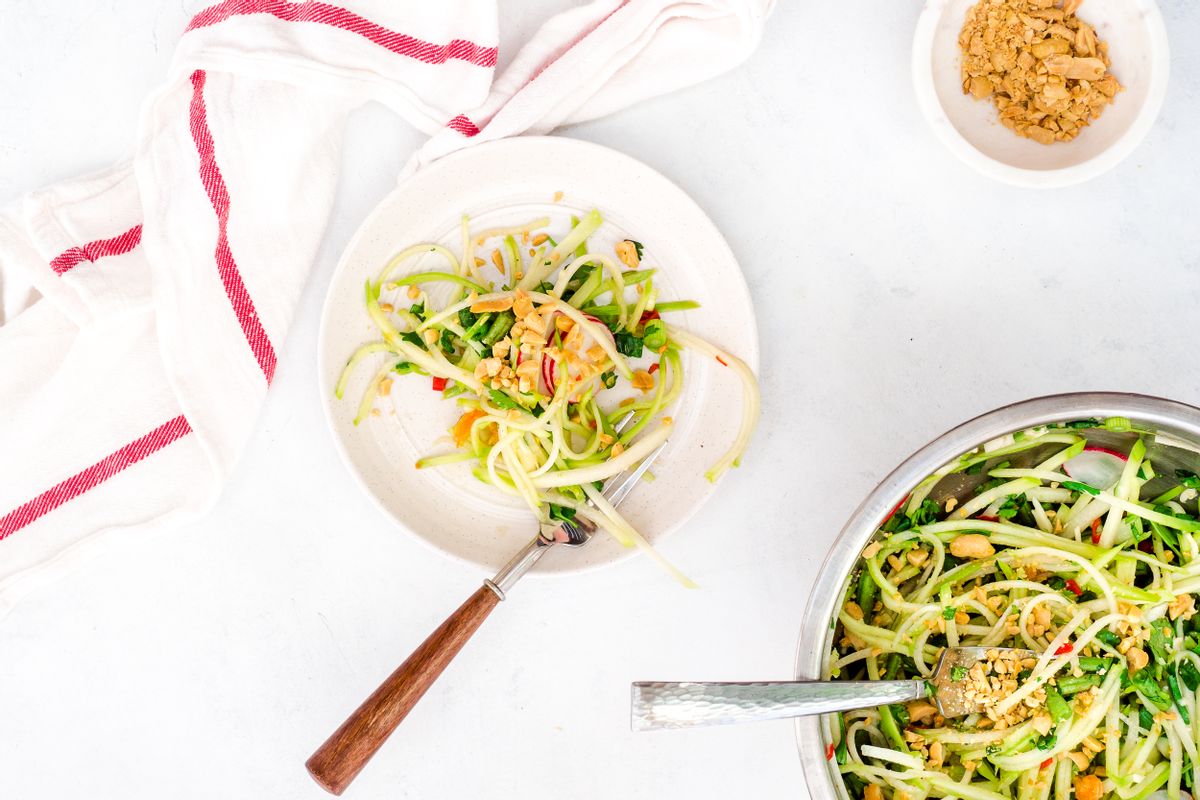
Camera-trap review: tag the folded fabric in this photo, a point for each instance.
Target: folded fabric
(141, 310)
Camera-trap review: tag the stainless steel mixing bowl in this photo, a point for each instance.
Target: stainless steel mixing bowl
(1172, 423)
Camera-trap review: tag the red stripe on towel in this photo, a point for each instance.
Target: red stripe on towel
(94, 475)
(91, 251)
(463, 126)
(334, 16)
(467, 128)
(218, 193)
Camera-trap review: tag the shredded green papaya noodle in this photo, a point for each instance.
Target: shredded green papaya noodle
(545, 346)
(1067, 540)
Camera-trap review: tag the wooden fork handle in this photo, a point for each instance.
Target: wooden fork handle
(336, 763)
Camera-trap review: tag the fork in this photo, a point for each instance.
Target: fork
(343, 755)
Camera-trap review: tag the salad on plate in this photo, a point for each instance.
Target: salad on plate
(563, 362)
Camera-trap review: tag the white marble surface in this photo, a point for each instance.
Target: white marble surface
(899, 294)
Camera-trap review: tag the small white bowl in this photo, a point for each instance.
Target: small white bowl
(1137, 45)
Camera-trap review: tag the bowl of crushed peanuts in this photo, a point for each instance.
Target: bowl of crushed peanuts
(1041, 93)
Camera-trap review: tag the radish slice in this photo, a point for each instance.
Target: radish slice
(1097, 467)
(548, 373)
(549, 366)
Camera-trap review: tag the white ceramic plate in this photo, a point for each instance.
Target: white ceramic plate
(1140, 53)
(510, 182)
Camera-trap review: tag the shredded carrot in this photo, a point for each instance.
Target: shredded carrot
(462, 429)
(723, 362)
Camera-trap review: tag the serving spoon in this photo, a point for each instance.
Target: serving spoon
(658, 705)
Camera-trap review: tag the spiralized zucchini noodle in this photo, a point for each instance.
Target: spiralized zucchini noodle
(533, 337)
(1053, 540)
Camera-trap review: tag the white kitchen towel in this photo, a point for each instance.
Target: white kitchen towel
(142, 309)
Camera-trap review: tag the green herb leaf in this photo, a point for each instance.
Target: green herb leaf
(1075, 486)
(1145, 718)
(1047, 742)
(925, 514)
(1188, 478)
(1161, 636)
(628, 345)
(1143, 681)
(958, 673)
(466, 318)
(948, 612)
(562, 513)
(1189, 675)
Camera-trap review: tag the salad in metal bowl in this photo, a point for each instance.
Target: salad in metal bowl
(1077, 541)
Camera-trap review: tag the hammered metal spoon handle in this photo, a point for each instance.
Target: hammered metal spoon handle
(688, 705)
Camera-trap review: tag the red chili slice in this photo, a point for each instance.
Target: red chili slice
(1096, 531)
(653, 368)
(649, 315)
(439, 384)
(1074, 587)
(829, 752)
(1063, 649)
(1046, 763)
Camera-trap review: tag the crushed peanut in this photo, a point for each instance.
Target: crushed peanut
(1183, 605)
(492, 306)
(1043, 67)
(1138, 658)
(992, 679)
(522, 306)
(971, 545)
(627, 252)
(642, 380)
